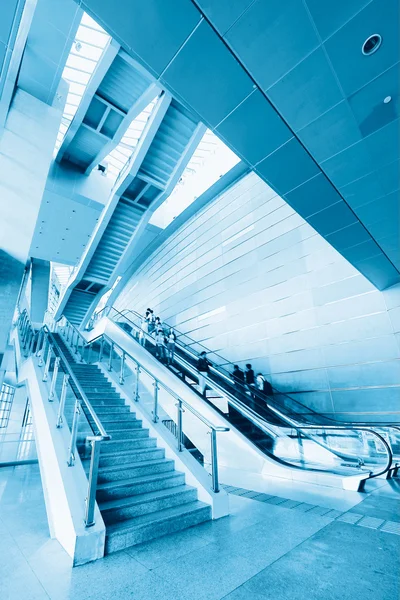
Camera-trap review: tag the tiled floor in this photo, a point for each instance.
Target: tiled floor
(261, 551)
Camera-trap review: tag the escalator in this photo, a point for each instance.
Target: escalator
(280, 427)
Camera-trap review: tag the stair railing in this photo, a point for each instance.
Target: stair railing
(43, 346)
(107, 349)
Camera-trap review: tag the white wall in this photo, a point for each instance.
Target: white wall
(250, 279)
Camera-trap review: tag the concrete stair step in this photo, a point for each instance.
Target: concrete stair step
(129, 434)
(154, 525)
(134, 469)
(138, 485)
(106, 401)
(107, 415)
(121, 445)
(129, 423)
(112, 409)
(128, 457)
(127, 508)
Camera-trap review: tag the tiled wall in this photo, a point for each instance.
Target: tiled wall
(249, 278)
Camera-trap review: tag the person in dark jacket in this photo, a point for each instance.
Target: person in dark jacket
(238, 375)
(203, 367)
(249, 376)
(250, 381)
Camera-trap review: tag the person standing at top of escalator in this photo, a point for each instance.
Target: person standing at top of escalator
(151, 320)
(250, 381)
(203, 367)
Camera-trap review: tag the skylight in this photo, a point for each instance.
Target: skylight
(210, 161)
(89, 44)
(120, 155)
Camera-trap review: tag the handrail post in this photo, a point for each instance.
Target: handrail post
(47, 367)
(92, 484)
(54, 379)
(39, 346)
(32, 343)
(122, 371)
(155, 409)
(89, 354)
(74, 434)
(179, 426)
(63, 396)
(110, 357)
(77, 344)
(43, 351)
(101, 350)
(137, 383)
(214, 462)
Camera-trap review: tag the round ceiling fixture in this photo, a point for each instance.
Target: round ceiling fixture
(371, 44)
(387, 99)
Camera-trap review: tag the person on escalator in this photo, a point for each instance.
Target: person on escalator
(143, 332)
(263, 385)
(160, 345)
(203, 367)
(151, 320)
(250, 384)
(171, 339)
(238, 375)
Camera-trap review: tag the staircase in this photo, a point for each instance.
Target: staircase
(139, 493)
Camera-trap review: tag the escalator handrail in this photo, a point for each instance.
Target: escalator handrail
(256, 419)
(226, 376)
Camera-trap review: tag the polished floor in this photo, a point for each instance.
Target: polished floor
(262, 551)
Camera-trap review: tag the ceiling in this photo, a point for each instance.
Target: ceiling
(287, 87)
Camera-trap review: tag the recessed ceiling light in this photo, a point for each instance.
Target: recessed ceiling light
(371, 44)
(387, 99)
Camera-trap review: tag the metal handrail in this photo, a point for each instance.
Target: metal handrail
(103, 433)
(43, 345)
(260, 421)
(251, 415)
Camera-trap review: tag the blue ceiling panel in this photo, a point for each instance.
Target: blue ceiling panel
(227, 82)
(349, 165)
(388, 207)
(349, 236)
(386, 227)
(389, 177)
(331, 133)
(223, 13)
(363, 251)
(363, 190)
(313, 196)
(307, 91)
(272, 37)
(7, 17)
(257, 142)
(368, 104)
(330, 16)
(275, 169)
(384, 144)
(153, 29)
(377, 270)
(353, 68)
(332, 218)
